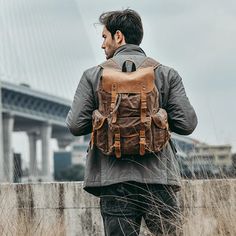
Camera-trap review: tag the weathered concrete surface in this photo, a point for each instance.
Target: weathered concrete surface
(54, 209)
(209, 207)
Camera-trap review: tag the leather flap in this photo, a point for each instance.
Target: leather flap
(98, 120)
(160, 119)
(128, 82)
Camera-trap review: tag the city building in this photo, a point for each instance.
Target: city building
(202, 160)
(79, 150)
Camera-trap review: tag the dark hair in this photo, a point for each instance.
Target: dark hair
(127, 21)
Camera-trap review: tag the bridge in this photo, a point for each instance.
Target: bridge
(41, 47)
(40, 115)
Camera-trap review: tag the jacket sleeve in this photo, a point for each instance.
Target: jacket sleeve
(79, 118)
(181, 115)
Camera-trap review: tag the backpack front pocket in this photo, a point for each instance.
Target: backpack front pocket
(129, 129)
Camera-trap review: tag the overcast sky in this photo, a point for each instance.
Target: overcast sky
(48, 44)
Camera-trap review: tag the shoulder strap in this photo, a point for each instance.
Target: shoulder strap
(110, 63)
(148, 62)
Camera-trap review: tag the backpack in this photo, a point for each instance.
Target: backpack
(129, 120)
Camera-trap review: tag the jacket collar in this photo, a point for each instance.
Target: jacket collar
(129, 49)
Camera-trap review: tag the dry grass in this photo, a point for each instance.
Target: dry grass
(207, 209)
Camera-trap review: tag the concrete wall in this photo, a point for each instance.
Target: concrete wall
(65, 209)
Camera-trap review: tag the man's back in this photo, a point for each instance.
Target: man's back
(159, 168)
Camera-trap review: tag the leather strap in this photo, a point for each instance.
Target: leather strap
(101, 106)
(113, 96)
(142, 142)
(143, 109)
(113, 102)
(117, 144)
(114, 112)
(128, 66)
(111, 63)
(149, 62)
(92, 139)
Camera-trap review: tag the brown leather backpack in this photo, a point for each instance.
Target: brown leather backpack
(129, 120)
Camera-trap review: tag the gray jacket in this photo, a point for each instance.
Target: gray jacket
(159, 168)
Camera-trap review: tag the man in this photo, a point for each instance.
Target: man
(133, 187)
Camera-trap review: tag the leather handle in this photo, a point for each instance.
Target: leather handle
(128, 66)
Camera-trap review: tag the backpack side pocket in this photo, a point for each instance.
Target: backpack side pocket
(100, 129)
(160, 130)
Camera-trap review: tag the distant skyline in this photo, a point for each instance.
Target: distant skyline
(48, 45)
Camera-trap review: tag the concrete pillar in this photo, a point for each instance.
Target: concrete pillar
(8, 125)
(46, 132)
(2, 179)
(33, 168)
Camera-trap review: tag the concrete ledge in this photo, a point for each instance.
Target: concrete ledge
(209, 208)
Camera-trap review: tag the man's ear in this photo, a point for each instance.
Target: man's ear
(119, 38)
